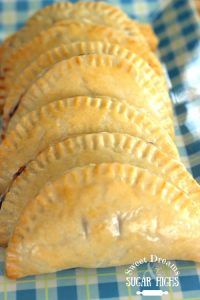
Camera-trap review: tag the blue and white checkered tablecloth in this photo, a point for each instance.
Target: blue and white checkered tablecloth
(176, 24)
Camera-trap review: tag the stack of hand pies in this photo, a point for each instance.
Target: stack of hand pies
(89, 172)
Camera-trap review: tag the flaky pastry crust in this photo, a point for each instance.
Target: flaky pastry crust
(116, 207)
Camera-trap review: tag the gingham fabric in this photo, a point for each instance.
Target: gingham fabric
(176, 24)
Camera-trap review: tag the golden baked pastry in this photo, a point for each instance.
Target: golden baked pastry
(107, 14)
(98, 75)
(88, 160)
(100, 12)
(51, 57)
(131, 207)
(61, 119)
(78, 151)
(90, 12)
(71, 31)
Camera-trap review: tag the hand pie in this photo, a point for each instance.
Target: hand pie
(89, 173)
(91, 12)
(66, 32)
(78, 151)
(61, 119)
(48, 59)
(108, 15)
(117, 207)
(27, 33)
(46, 17)
(97, 75)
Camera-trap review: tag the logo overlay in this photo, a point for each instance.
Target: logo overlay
(152, 276)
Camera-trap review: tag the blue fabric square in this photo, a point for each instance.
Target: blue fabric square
(164, 42)
(26, 294)
(184, 15)
(192, 44)
(108, 290)
(189, 28)
(159, 29)
(178, 4)
(174, 72)
(168, 57)
(193, 148)
(189, 283)
(67, 292)
(22, 5)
